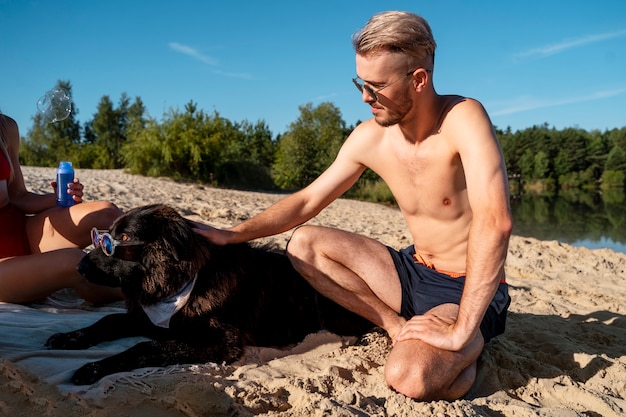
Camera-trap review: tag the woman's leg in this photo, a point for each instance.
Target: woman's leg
(56, 239)
(34, 277)
(62, 227)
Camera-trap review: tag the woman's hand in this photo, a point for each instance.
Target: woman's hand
(75, 189)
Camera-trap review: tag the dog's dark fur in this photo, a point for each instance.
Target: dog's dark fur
(244, 295)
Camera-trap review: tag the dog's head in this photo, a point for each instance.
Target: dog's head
(156, 253)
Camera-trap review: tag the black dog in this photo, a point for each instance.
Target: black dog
(238, 295)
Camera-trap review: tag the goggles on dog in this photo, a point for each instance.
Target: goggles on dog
(102, 239)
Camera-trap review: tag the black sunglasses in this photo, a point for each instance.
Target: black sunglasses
(362, 86)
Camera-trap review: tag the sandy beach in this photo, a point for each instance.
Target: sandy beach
(563, 353)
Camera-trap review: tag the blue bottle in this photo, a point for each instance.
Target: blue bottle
(65, 175)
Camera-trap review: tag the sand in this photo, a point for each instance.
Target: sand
(563, 354)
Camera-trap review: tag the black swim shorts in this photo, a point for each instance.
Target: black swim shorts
(424, 288)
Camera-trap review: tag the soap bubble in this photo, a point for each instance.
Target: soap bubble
(55, 105)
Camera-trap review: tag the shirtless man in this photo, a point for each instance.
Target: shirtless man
(444, 297)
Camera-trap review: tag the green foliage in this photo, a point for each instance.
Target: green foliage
(251, 143)
(541, 165)
(92, 156)
(243, 175)
(309, 146)
(526, 165)
(573, 146)
(109, 127)
(247, 158)
(370, 187)
(617, 137)
(570, 158)
(195, 146)
(615, 197)
(375, 191)
(616, 160)
(49, 143)
(184, 146)
(613, 179)
(578, 180)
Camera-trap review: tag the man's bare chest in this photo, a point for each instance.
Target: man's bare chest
(424, 180)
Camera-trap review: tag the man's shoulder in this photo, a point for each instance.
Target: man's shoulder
(467, 122)
(367, 126)
(463, 112)
(368, 129)
(460, 105)
(364, 141)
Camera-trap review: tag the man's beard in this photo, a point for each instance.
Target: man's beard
(393, 117)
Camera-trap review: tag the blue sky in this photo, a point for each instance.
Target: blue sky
(559, 62)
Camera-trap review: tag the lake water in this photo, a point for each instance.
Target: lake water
(588, 220)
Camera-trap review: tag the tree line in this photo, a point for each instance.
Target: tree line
(193, 145)
(570, 158)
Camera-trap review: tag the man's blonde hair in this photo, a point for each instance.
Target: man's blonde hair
(397, 32)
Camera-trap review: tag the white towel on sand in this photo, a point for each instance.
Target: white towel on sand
(24, 330)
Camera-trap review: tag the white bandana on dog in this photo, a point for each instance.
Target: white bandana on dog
(161, 312)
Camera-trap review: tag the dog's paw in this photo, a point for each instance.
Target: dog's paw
(88, 374)
(67, 341)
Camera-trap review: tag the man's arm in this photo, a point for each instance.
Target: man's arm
(297, 208)
(490, 230)
(489, 233)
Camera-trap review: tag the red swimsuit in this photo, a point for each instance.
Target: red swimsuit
(13, 238)
(5, 168)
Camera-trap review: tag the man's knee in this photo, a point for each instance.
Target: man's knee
(303, 250)
(406, 380)
(423, 383)
(301, 242)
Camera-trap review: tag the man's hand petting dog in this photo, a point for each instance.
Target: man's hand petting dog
(196, 301)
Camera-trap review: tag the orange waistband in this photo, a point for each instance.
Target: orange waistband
(420, 260)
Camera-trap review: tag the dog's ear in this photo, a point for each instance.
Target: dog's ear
(201, 246)
(163, 227)
(179, 239)
(162, 271)
(169, 256)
